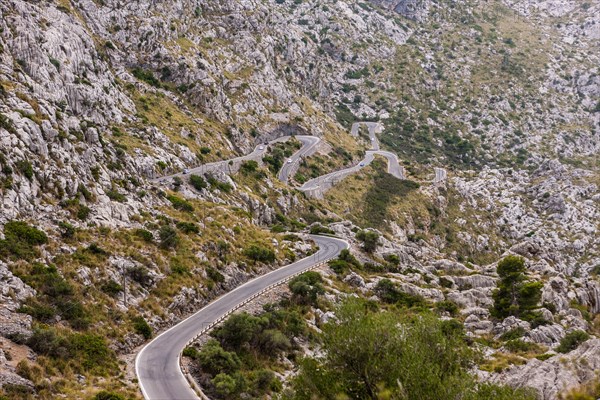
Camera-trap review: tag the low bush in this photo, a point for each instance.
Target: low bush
(141, 327)
(180, 204)
(188, 227)
(144, 234)
(198, 182)
(388, 292)
(104, 395)
(571, 341)
(306, 287)
(168, 237)
(260, 253)
(222, 186)
(111, 288)
(369, 239)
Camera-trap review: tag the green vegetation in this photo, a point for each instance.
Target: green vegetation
(306, 288)
(141, 327)
(146, 76)
(260, 253)
(371, 354)
(389, 293)
(344, 262)
(198, 182)
(238, 362)
(180, 204)
(279, 152)
(382, 193)
(83, 351)
(104, 395)
(318, 229)
(55, 297)
(25, 167)
(116, 196)
(217, 184)
(168, 237)
(249, 167)
(21, 241)
(369, 239)
(571, 341)
(515, 296)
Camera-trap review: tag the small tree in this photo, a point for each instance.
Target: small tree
(514, 296)
(369, 239)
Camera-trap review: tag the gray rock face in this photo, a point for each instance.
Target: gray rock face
(549, 335)
(12, 292)
(556, 374)
(354, 279)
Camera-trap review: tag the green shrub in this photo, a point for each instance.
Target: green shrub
(222, 186)
(513, 334)
(140, 326)
(198, 182)
(83, 212)
(21, 231)
(369, 239)
(306, 287)
(520, 346)
(249, 167)
(7, 124)
(140, 274)
(188, 227)
(213, 359)
(146, 76)
(338, 266)
(168, 237)
(180, 204)
(25, 167)
(104, 395)
(214, 275)
(388, 292)
(144, 234)
(318, 229)
(89, 350)
(116, 196)
(111, 288)
(260, 253)
(447, 306)
(373, 354)
(92, 349)
(67, 230)
(190, 352)
(571, 341)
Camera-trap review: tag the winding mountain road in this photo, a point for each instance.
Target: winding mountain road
(157, 364)
(291, 165)
(318, 186)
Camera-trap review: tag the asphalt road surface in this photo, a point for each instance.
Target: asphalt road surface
(157, 364)
(318, 186)
(291, 165)
(309, 145)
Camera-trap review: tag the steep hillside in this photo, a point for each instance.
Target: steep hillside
(102, 101)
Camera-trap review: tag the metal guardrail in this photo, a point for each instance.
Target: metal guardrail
(191, 381)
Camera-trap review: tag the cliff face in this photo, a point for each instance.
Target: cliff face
(99, 97)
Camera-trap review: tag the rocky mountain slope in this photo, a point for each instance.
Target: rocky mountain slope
(98, 97)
